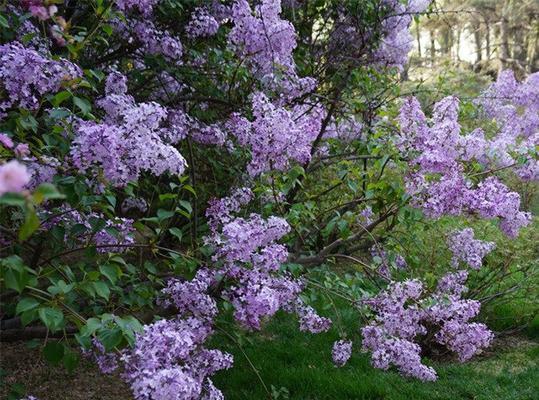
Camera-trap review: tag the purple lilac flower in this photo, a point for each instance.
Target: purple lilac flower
(39, 10)
(128, 142)
(402, 315)
(42, 170)
(22, 150)
(170, 362)
(14, 176)
(467, 249)
(134, 204)
(202, 24)
(26, 75)
(118, 231)
(145, 7)
(219, 211)
(437, 183)
(276, 136)
(6, 141)
(341, 352)
(106, 361)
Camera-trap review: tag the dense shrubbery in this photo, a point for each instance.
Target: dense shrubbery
(171, 165)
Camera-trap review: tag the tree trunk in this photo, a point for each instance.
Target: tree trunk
(503, 48)
(418, 38)
(532, 59)
(477, 42)
(432, 47)
(458, 45)
(487, 39)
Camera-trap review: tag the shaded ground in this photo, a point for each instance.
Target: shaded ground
(298, 366)
(23, 366)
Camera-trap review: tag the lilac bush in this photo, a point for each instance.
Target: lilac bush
(175, 162)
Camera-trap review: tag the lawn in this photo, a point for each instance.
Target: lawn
(298, 366)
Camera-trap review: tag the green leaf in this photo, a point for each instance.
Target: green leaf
(3, 22)
(107, 29)
(176, 232)
(28, 122)
(59, 113)
(71, 360)
(26, 304)
(59, 98)
(83, 340)
(112, 272)
(53, 318)
(46, 191)
(31, 223)
(83, 104)
(60, 287)
(13, 199)
(164, 214)
(190, 189)
(167, 196)
(110, 338)
(186, 205)
(16, 279)
(28, 316)
(53, 352)
(102, 289)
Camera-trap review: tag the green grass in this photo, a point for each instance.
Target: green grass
(299, 365)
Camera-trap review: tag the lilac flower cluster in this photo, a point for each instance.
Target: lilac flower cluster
(453, 313)
(396, 39)
(26, 76)
(190, 297)
(149, 38)
(276, 136)
(250, 258)
(390, 337)
(266, 41)
(365, 216)
(438, 184)
(169, 360)
(155, 41)
(40, 170)
(402, 315)
(309, 320)
(183, 125)
(127, 142)
(220, 211)
(39, 10)
(14, 176)
(467, 249)
(145, 7)
(341, 352)
(262, 37)
(514, 106)
(118, 231)
(202, 24)
(386, 259)
(106, 362)
(346, 130)
(259, 291)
